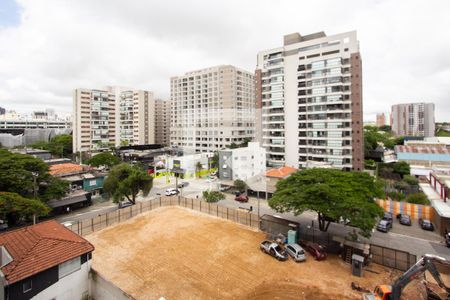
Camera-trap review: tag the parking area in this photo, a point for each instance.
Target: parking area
(177, 253)
(415, 231)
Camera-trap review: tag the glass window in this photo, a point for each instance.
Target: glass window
(27, 286)
(69, 267)
(318, 64)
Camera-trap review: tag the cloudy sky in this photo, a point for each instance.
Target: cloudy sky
(50, 47)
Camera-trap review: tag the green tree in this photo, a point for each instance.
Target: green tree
(215, 160)
(402, 168)
(411, 180)
(333, 194)
(61, 145)
(385, 128)
(103, 159)
(418, 198)
(240, 185)
(125, 182)
(213, 196)
(26, 175)
(14, 208)
(198, 168)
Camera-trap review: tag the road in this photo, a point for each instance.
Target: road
(415, 245)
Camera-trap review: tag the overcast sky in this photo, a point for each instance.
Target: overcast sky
(50, 47)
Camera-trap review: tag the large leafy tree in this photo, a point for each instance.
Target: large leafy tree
(28, 176)
(14, 208)
(402, 168)
(60, 145)
(240, 185)
(335, 195)
(103, 159)
(125, 181)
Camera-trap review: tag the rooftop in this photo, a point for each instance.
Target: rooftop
(39, 247)
(65, 169)
(422, 149)
(282, 172)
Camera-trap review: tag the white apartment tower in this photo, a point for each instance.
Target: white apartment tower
(112, 117)
(309, 101)
(162, 122)
(212, 108)
(413, 119)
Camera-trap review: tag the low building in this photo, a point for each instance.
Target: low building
(42, 154)
(44, 261)
(242, 163)
(189, 163)
(423, 155)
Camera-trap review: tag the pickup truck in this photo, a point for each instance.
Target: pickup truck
(274, 249)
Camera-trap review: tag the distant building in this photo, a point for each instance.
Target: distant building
(162, 122)
(309, 101)
(242, 163)
(2, 111)
(44, 261)
(381, 120)
(112, 116)
(413, 119)
(12, 120)
(212, 108)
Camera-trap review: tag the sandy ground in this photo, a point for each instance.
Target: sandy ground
(176, 253)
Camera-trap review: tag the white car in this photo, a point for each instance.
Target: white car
(171, 192)
(296, 252)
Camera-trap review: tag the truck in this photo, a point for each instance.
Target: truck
(274, 249)
(394, 291)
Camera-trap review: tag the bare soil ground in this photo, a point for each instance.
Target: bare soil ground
(177, 253)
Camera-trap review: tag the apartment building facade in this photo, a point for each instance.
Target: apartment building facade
(112, 117)
(309, 101)
(380, 120)
(162, 122)
(212, 108)
(413, 119)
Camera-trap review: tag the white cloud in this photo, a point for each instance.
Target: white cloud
(60, 45)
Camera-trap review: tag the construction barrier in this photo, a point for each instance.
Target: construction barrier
(416, 211)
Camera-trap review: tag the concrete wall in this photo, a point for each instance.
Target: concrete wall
(72, 286)
(101, 289)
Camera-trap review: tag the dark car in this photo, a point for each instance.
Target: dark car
(447, 239)
(388, 216)
(241, 198)
(405, 220)
(384, 225)
(426, 224)
(316, 250)
(183, 185)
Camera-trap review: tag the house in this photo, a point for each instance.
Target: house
(44, 261)
(242, 163)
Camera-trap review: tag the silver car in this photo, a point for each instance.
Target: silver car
(296, 252)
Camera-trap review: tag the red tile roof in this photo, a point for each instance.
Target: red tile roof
(64, 169)
(282, 172)
(39, 247)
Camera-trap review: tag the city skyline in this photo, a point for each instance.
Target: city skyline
(44, 62)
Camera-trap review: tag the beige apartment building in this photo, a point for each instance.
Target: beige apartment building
(212, 108)
(162, 122)
(309, 101)
(380, 120)
(413, 119)
(112, 117)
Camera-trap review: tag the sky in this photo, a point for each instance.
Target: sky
(50, 47)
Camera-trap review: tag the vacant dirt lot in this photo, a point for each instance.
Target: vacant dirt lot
(177, 253)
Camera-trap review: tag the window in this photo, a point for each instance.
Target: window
(27, 285)
(69, 267)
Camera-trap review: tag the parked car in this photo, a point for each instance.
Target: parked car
(171, 192)
(447, 239)
(405, 220)
(241, 198)
(3, 225)
(384, 225)
(426, 224)
(296, 252)
(67, 224)
(183, 184)
(388, 216)
(123, 204)
(274, 249)
(316, 250)
(225, 188)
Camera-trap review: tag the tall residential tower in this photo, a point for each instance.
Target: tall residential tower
(309, 101)
(413, 119)
(212, 108)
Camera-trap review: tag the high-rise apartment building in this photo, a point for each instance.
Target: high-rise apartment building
(309, 101)
(162, 122)
(112, 116)
(212, 108)
(381, 120)
(413, 119)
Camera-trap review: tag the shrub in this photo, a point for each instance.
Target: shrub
(213, 196)
(418, 198)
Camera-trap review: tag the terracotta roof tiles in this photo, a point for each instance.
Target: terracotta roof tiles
(282, 172)
(64, 169)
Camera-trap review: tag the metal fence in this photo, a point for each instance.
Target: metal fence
(87, 226)
(392, 258)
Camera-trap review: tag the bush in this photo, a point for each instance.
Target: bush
(396, 196)
(402, 168)
(418, 198)
(411, 180)
(213, 196)
(240, 185)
